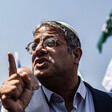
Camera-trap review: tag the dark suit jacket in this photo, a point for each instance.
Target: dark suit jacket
(102, 100)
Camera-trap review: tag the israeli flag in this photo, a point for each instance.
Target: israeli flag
(18, 64)
(107, 81)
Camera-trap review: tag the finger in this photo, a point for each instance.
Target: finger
(10, 92)
(12, 64)
(27, 92)
(26, 80)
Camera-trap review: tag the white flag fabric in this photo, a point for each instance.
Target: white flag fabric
(107, 81)
(17, 60)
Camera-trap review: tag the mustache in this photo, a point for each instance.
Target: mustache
(40, 60)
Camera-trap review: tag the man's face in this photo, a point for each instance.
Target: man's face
(51, 61)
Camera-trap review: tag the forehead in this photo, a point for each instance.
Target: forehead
(48, 30)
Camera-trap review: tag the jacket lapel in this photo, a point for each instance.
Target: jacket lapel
(102, 101)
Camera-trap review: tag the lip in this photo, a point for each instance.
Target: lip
(41, 62)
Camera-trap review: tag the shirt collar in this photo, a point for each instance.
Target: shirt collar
(48, 93)
(80, 91)
(80, 94)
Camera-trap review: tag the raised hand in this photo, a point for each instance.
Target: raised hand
(15, 92)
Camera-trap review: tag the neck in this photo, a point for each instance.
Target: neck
(66, 89)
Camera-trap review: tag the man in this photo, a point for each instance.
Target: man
(56, 52)
(34, 81)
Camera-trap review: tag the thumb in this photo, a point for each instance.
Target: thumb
(12, 64)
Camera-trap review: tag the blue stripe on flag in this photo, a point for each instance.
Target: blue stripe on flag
(19, 64)
(111, 90)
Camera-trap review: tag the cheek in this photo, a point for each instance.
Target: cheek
(33, 57)
(51, 56)
(59, 55)
(65, 58)
(60, 59)
(51, 59)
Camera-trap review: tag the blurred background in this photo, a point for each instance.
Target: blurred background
(18, 18)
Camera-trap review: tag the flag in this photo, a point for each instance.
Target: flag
(106, 32)
(18, 64)
(107, 81)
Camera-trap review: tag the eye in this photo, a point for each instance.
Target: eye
(32, 46)
(49, 43)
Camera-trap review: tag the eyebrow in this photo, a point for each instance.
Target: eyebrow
(47, 37)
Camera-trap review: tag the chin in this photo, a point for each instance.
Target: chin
(41, 73)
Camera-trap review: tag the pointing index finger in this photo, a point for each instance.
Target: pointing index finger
(12, 64)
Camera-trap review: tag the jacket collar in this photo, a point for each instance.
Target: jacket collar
(102, 101)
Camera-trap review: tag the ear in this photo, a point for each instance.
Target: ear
(77, 53)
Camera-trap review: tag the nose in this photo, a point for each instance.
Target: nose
(40, 50)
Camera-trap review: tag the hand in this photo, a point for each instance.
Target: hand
(15, 92)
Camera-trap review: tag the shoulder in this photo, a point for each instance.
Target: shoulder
(38, 102)
(110, 94)
(102, 100)
(96, 92)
